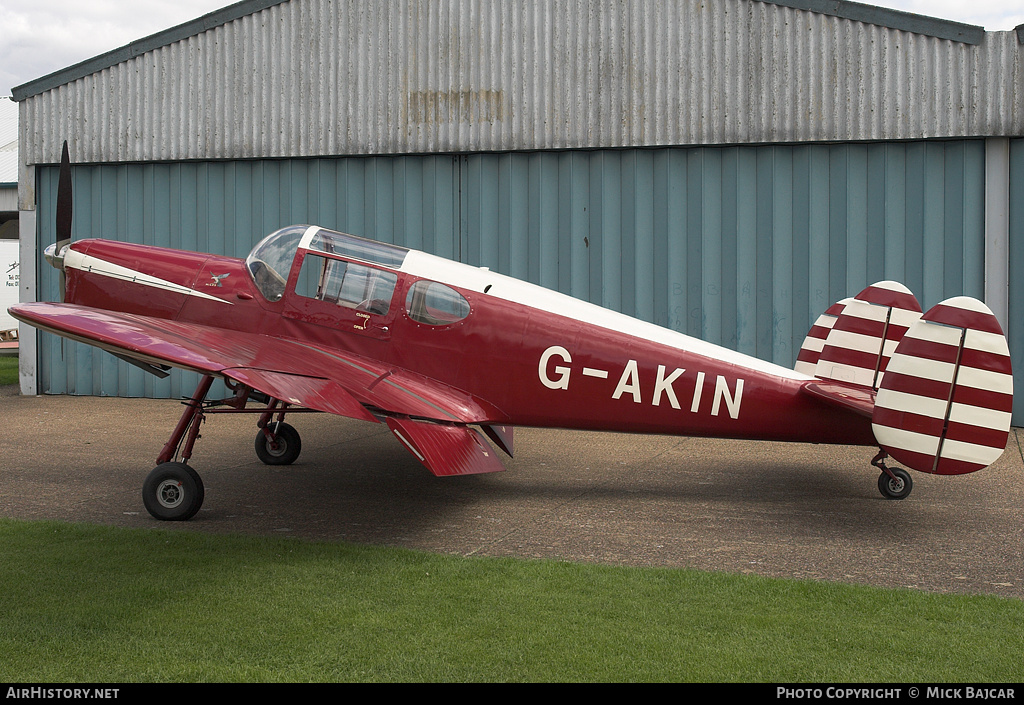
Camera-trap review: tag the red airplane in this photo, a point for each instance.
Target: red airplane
(449, 355)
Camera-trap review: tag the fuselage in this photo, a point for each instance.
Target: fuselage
(541, 358)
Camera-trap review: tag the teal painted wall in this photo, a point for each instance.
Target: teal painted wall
(1015, 326)
(742, 246)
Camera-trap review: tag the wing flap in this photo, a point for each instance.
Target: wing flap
(446, 449)
(502, 436)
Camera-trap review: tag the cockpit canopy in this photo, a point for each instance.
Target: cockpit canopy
(349, 271)
(270, 261)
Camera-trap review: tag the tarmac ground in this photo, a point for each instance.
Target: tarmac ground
(772, 509)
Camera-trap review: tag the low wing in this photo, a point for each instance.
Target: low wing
(300, 373)
(311, 392)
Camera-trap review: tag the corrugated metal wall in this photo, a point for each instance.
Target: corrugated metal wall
(346, 77)
(741, 246)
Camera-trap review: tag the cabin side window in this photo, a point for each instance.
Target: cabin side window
(435, 304)
(346, 284)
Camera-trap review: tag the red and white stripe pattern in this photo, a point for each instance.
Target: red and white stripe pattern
(945, 403)
(810, 351)
(864, 336)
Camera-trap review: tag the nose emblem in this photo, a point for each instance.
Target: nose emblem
(217, 278)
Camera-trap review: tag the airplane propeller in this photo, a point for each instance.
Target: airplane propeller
(64, 211)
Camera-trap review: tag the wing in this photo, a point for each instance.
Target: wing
(300, 373)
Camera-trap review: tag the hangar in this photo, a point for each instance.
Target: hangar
(726, 168)
(8, 222)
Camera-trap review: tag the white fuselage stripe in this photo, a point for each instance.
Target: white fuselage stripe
(94, 265)
(465, 276)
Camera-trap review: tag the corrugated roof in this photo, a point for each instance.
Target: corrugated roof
(869, 14)
(893, 19)
(305, 78)
(142, 46)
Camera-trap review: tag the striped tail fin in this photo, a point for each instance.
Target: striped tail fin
(945, 402)
(810, 351)
(862, 336)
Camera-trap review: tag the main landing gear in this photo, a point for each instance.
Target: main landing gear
(893, 483)
(173, 491)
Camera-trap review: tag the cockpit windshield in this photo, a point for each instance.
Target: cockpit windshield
(271, 260)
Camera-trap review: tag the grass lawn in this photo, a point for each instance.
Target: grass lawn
(99, 604)
(8, 369)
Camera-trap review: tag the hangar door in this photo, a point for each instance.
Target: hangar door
(742, 246)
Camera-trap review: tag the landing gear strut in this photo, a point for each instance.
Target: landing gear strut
(893, 483)
(173, 491)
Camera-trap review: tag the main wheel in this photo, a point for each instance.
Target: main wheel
(895, 487)
(281, 448)
(173, 492)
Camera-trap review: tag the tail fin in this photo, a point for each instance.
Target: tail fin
(861, 338)
(945, 402)
(810, 351)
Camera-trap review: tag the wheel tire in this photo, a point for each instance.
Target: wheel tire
(283, 449)
(173, 492)
(895, 488)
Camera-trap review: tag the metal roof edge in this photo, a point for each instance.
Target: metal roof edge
(894, 19)
(141, 46)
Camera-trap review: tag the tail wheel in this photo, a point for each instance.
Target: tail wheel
(896, 487)
(173, 492)
(278, 444)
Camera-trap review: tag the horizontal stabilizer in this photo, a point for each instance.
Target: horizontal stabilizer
(446, 449)
(847, 396)
(865, 334)
(945, 402)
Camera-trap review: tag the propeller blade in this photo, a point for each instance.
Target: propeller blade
(64, 209)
